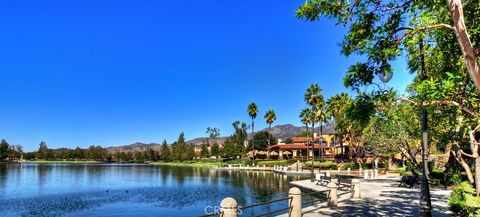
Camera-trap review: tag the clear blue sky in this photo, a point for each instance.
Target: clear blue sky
(76, 73)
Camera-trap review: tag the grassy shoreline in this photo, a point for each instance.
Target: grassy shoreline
(190, 164)
(61, 161)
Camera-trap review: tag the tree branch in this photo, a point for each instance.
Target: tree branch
(443, 102)
(438, 26)
(399, 6)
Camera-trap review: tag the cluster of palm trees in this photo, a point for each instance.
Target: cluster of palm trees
(316, 113)
(270, 117)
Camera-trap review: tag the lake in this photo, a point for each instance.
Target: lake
(72, 190)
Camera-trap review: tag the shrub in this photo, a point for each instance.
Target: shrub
(462, 200)
(348, 165)
(273, 162)
(322, 165)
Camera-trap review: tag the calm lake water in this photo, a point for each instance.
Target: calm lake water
(92, 190)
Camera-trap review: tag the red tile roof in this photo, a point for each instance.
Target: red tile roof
(303, 139)
(297, 146)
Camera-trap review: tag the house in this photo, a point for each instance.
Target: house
(325, 147)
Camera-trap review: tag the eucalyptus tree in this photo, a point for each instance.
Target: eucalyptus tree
(252, 111)
(373, 30)
(270, 117)
(4, 147)
(214, 134)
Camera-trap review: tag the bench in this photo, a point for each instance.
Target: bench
(322, 179)
(344, 184)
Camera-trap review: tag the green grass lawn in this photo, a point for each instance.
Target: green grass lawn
(190, 163)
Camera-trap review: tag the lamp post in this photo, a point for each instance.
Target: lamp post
(425, 203)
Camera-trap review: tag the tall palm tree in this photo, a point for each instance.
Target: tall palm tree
(252, 110)
(306, 118)
(269, 117)
(313, 97)
(336, 106)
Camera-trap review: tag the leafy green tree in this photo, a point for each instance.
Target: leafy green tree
(165, 154)
(205, 153)
(139, 157)
(190, 152)
(373, 31)
(289, 141)
(96, 153)
(4, 147)
(43, 151)
(179, 148)
(261, 140)
(215, 150)
(234, 144)
(79, 153)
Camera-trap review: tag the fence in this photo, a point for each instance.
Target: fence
(230, 208)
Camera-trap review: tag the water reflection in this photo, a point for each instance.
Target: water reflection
(95, 189)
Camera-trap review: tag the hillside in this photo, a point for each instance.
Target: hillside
(279, 131)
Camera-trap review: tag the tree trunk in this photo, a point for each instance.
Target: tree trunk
(477, 176)
(467, 170)
(268, 148)
(308, 148)
(469, 57)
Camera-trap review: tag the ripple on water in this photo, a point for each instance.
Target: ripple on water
(64, 204)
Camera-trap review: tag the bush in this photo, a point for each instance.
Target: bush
(322, 165)
(349, 165)
(462, 200)
(273, 162)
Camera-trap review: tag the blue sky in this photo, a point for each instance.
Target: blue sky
(76, 73)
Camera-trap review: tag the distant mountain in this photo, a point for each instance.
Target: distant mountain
(282, 132)
(286, 131)
(135, 147)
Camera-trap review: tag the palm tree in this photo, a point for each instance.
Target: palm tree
(270, 117)
(314, 98)
(306, 118)
(252, 110)
(336, 106)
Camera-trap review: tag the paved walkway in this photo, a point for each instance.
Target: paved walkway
(380, 197)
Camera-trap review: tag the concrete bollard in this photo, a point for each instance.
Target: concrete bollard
(327, 174)
(365, 174)
(229, 207)
(348, 171)
(295, 203)
(332, 194)
(375, 174)
(356, 189)
(338, 170)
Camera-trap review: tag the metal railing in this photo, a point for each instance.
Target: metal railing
(257, 205)
(229, 208)
(312, 201)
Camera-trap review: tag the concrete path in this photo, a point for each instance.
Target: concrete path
(380, 197)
